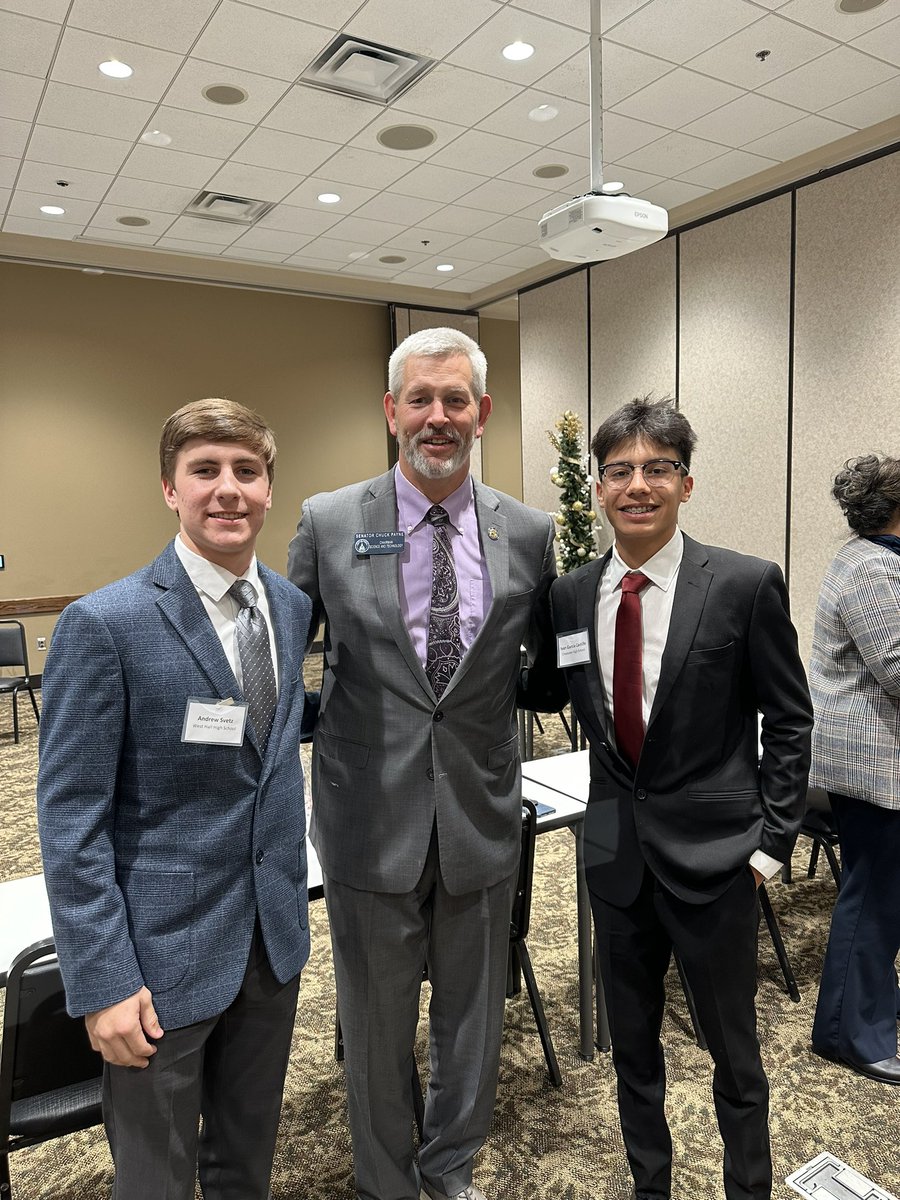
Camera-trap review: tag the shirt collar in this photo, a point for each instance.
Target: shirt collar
(412, 505)
(208, 577)
(661, 569)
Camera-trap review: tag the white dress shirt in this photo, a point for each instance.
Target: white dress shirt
(212, 583)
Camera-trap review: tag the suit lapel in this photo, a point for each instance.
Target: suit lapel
(587, 583)
(690, 596)
(284, 633)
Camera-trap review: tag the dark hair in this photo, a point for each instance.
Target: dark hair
(215, 420)
(868, 491)
(656, 421)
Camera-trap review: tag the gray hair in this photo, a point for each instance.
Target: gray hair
(656, 421)
(438, 343)
(868, 491)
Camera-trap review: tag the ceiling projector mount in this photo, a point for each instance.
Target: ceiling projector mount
(606, 222)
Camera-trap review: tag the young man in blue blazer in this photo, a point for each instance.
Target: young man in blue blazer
(170, 802)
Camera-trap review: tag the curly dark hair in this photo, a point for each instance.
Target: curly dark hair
(868, 490)
(656, 421)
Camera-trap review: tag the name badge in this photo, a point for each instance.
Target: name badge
(215, 722)
(379, 543)
(573, 649)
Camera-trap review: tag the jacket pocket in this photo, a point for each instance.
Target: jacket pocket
(352, 754)
(713, 654)
(519, 598)
(160, 908)
(506, 752)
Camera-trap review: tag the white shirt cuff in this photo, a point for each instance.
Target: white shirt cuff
(765, 864)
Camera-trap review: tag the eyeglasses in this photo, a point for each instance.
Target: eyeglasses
(656, 473)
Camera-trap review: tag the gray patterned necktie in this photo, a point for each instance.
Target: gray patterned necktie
(256, 660)
(444, 642)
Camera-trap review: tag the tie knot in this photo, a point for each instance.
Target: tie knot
(437, 515)
(634, 582)
(244, 592)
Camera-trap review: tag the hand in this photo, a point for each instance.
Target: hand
(118, 1032)
(758, 878)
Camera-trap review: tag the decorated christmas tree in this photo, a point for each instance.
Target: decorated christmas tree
(576, 519)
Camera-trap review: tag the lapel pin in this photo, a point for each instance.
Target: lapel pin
(493, 533)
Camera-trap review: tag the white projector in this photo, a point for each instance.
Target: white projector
(592, 227)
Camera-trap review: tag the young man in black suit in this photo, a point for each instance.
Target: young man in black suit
(671, 649)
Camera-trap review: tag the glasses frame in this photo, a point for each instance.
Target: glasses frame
(673, 462)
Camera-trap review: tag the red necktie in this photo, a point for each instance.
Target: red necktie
(628, 680)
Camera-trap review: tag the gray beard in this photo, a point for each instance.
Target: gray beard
(431, 468)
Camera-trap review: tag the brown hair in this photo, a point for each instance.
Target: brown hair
(868, 491)
(215, 420)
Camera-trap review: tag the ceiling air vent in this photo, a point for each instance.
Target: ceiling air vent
(366, 70)
(234, 210)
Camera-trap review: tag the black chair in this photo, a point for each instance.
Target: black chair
(821, 828)
(14, 653)
(50, 1078)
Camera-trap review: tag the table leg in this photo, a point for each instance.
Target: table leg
(585, 954)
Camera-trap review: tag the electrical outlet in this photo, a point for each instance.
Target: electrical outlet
(42, 643)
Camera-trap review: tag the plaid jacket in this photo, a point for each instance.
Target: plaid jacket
(855, 676)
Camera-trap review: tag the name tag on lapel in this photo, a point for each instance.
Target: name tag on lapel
(214, 722)
(573, 649)
(379, 543)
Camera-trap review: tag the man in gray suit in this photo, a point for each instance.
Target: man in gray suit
(429, 584)
(170, 801)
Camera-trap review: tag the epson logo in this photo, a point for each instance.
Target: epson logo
(642, 215)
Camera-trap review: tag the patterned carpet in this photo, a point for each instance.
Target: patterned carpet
(546, 1144)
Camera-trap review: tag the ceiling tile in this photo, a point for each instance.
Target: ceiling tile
(68, 107)
(332, 15)
(187, 247)
(883, 42)
(308, 262)
(489, 273)
(454, 219)
(672, 154)
(553, 44)
(378, 170)
(168, 24)
(246, 254)
(14, 135)
(750, 116)
(160, 197)
(458, 285)
(195, 75)
(28, 204)
(674, 192)
(96, 233)
(39, 228)
(677, 98)
(198, 133)
(5, 194)
(160, 165)
(636, 182)
(515, 230)
(735, 59)
(729, 168)
(414, 279)
(623, 135)
(677, 30)
(19, 95)
(796, 139)
(198, 229)
(335, 250)
(275, 240)
(570, 78)
(307, 193)
(482, 152)
(480, 249)
(288, 219)
(827, 19)
(626, 71)
(412, 24)
(502, 196)
(257, 183)
(412, 239)
(458, 263)
(45, 10)
(300, 155)
(26, 45)
(388, 206)
(83, 185)
(445, 133)
(579, 168)
(360, 229)
(259, 41)
(81, 53)
(577, 12)
(868, 108)
(310, 111)
(448, 90)
(107, 214)
(430, 182)
(551, 200)
(524, 257)
(71, 149)
(512, 119)
(8, 170)
(833, 77)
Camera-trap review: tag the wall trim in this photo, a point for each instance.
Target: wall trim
(34, 605)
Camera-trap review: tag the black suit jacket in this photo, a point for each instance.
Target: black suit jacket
(700, 800)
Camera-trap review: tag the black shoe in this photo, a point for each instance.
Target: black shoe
(887, 1070)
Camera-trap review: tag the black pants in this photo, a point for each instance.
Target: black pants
(716, 943)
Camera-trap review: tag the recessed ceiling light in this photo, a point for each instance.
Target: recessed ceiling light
(328, 198)
(445, 267)
(550, 171)
(406, 137)
(116, 69)
(224, 93)
(132, 221)
(612, 187)
(543, 112)
(518, 51)
(354, 254)
(156, 137)
(52, 210)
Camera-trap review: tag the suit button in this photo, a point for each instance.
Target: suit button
(641, 794)
(438, 716)
(260, 855)
(430, 772)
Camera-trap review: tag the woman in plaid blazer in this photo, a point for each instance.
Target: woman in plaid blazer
(855, 685)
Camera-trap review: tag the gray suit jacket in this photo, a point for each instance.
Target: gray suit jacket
(158, 854)
(389, 758)
(854, 676)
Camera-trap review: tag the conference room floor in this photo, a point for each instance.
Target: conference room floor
(546, 1144)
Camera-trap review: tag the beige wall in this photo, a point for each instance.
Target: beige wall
(92, 365)
(501, 446)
